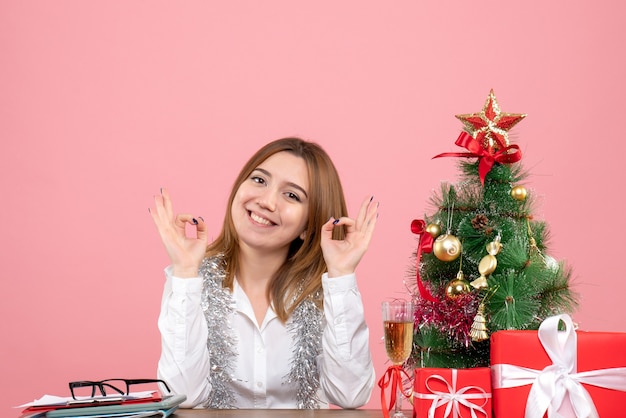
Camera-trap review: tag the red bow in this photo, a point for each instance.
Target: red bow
(425, 245)
(393, 377)
(510, 154)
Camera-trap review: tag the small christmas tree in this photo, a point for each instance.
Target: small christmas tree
(481, 263)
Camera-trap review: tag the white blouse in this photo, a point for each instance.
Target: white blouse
(265, 352)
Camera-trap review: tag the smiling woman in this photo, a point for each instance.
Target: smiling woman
(270, 208)
(269, 314)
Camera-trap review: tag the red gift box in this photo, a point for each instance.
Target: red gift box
(452, 393)
(569, 364)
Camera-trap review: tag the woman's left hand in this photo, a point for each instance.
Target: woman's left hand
(342, 256)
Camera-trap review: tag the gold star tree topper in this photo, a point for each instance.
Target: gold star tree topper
(490, 126)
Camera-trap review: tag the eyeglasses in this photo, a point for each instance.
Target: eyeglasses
(84, 387)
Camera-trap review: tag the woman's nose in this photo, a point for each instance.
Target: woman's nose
(267, 199)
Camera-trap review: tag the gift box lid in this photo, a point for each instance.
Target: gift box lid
(595, 350)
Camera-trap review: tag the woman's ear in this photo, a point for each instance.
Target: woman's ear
(303, 235)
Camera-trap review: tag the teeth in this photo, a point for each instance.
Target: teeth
(260, 220)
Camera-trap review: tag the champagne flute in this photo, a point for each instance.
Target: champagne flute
(398, 319)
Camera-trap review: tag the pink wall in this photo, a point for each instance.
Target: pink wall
(103, 102)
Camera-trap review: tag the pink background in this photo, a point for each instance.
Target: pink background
(104, 102)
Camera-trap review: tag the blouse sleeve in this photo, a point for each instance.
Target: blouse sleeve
(184, 361)
(346, 371)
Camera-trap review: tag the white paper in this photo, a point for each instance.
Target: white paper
(52, 400)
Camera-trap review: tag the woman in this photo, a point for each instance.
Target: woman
(269, 315)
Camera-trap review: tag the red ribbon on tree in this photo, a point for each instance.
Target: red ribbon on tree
(393, 378)
(508, 155)
(425, 245)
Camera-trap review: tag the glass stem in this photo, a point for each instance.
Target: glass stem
(398, 411)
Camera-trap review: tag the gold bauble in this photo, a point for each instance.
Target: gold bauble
(457, 287)
(519, 193)
(434, 230)
(447, 247)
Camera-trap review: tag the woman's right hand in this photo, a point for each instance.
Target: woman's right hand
(185, 252)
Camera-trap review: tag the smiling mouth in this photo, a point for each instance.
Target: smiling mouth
(256, 218)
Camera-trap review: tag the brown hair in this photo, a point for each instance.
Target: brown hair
(301, 274)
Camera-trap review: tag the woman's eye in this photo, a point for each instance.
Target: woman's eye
(257, 179)
(293, 196)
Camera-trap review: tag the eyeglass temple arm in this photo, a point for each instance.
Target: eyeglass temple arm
(140, 381)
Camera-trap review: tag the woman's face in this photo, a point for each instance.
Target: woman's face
(271, 206)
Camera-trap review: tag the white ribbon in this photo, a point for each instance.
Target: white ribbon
(551, 385)
(453, 398)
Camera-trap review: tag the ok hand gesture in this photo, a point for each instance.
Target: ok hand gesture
(185, 252)
(342, 256)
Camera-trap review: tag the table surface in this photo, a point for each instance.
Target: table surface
(267, 413)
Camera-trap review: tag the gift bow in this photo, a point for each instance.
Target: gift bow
(551, 385)
(453, 398)
(508, 155)
(392, 377)
(425, 245)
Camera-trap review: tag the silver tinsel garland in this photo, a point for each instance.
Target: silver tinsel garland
(218, 305)
(306, 325)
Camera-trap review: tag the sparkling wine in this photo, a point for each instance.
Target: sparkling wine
(398, 340)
